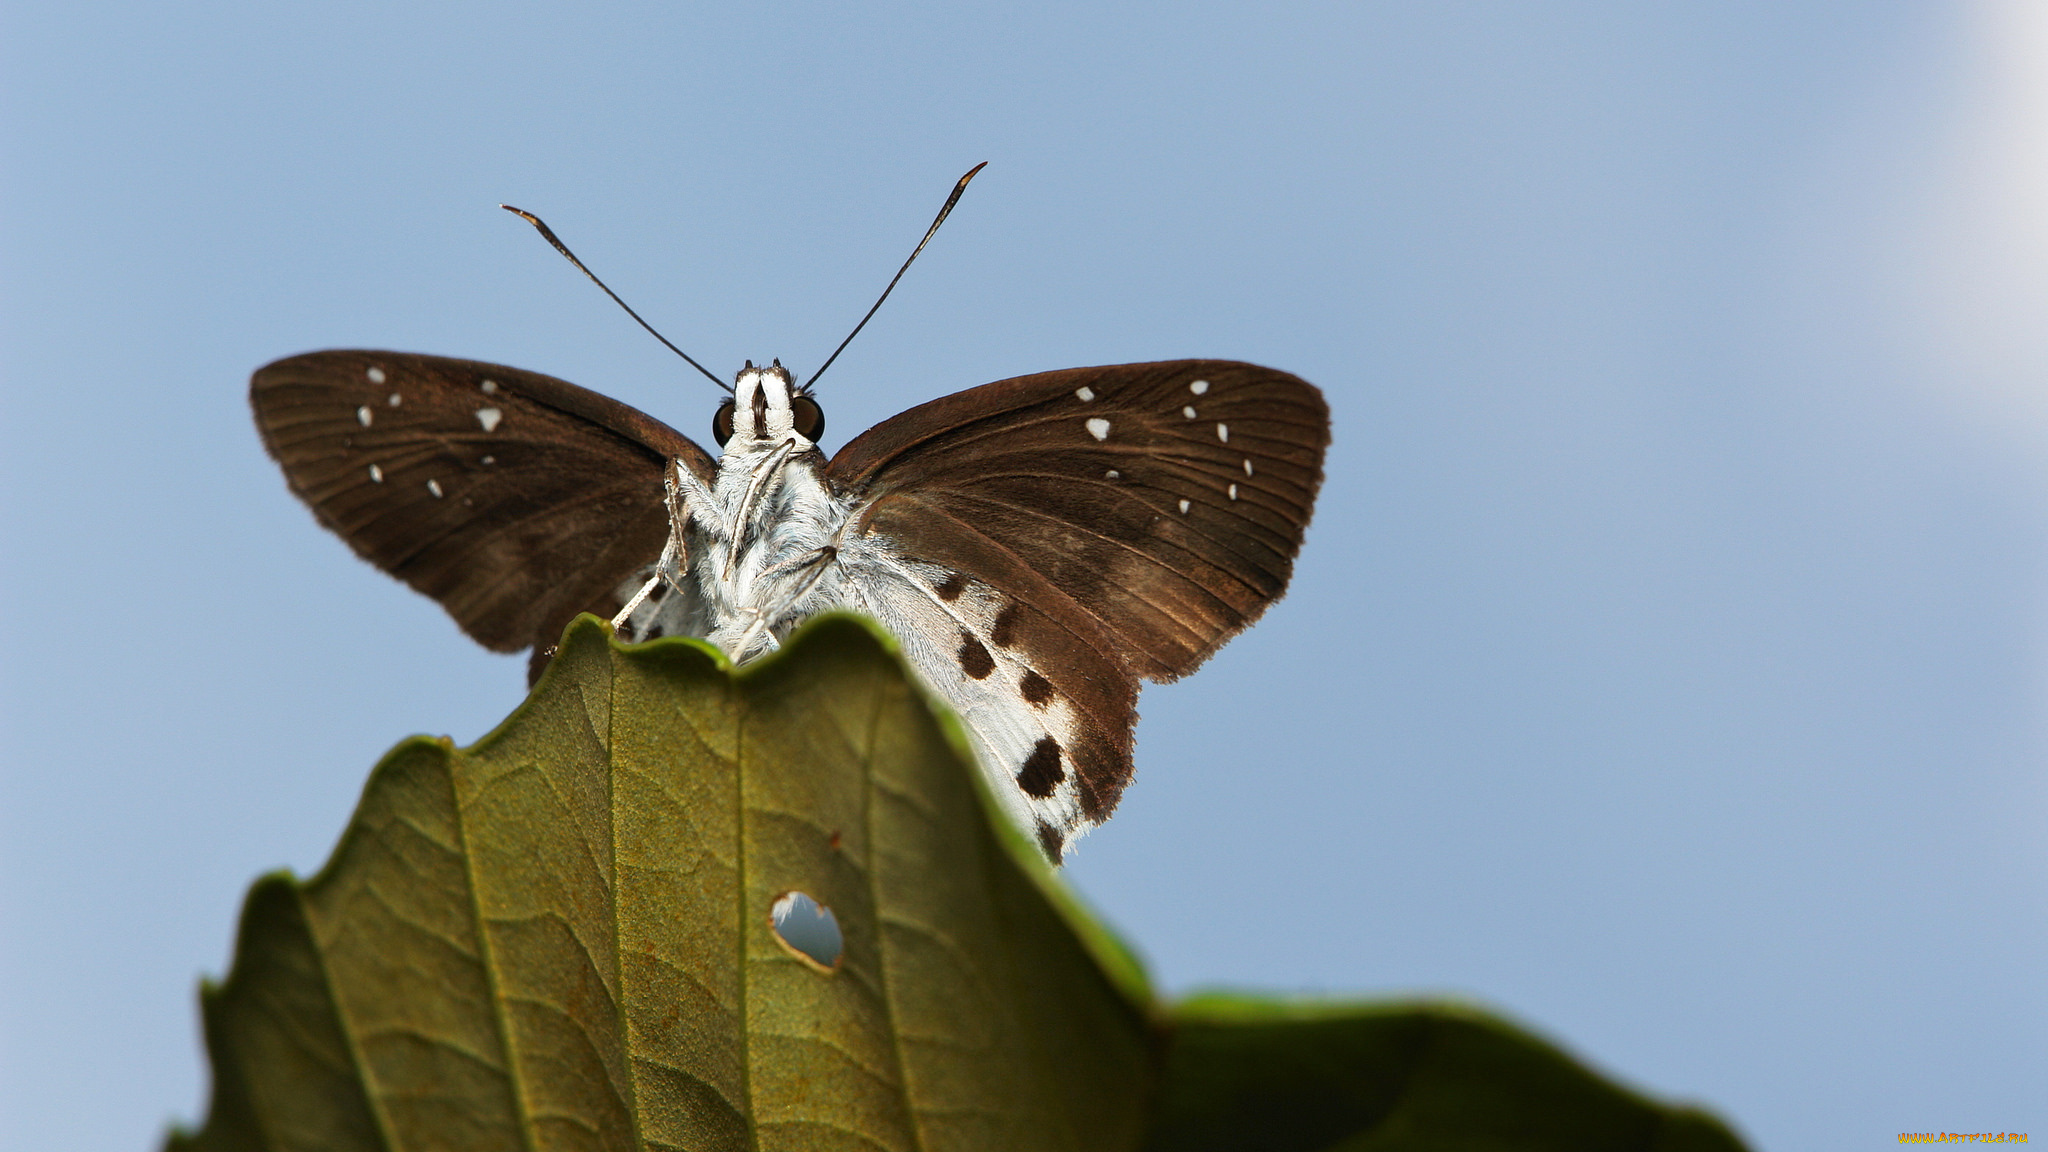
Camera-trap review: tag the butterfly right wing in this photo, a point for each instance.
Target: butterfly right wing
(514, 499)
(1070, 532)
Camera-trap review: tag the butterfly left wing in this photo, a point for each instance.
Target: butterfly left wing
(1084, 528)
(514, 499)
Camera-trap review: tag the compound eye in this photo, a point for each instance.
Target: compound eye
(807, 416)
(721, 424)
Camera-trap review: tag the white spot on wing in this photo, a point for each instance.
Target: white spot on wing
(392, 399)
(1098, 428)
(489, 417)
(376, 375)
(1223, 433)
(1184, 507)
(1112, 474)
(376, 474)
(1233, 491)
(1247, 466)
(363, 415)
(1199, 387)
(434, 486)
(489, 385)
(490, 460)
(1085, 392)
(1188, 411)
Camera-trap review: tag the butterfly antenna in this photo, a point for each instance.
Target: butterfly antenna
(938, 220)
(548, 234)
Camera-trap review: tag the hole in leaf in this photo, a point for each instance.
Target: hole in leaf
(807, 928)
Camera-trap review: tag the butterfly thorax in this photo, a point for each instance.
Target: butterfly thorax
(762, 542)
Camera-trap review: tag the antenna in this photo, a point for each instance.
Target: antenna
(940, 219)
(548, 234)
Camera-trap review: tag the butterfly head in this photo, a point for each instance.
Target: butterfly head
(768, 408)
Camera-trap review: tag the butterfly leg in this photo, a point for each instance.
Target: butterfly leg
(675, 554)
(679, 511)
(697, 498)
(767, 469)
(818, 563)
(661, 574)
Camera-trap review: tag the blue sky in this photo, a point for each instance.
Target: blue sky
(1665, 665)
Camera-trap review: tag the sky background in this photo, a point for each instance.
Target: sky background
(1665, 667)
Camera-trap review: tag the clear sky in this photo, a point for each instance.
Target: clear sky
(1665, 666)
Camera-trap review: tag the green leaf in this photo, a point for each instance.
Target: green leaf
(561, 938)
(1275, 1076)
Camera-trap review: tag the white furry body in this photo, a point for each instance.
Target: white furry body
(770, 544)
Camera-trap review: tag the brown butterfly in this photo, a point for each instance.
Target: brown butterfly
(1038, 544)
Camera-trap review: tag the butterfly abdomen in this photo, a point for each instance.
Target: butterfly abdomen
(1052, 739)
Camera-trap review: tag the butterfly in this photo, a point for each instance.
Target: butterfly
(1038, 545)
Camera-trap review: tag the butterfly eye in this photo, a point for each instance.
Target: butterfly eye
(721, 424)
(809, 418)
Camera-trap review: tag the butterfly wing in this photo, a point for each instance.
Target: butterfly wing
(1088, 527)
(514, 499)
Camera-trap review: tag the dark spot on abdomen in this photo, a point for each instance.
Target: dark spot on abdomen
(974, 659)
(1005, 629)
(1042, 772)
(1051, 841)
(1037, 689)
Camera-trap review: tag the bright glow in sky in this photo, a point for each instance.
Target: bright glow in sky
(1977, 288)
